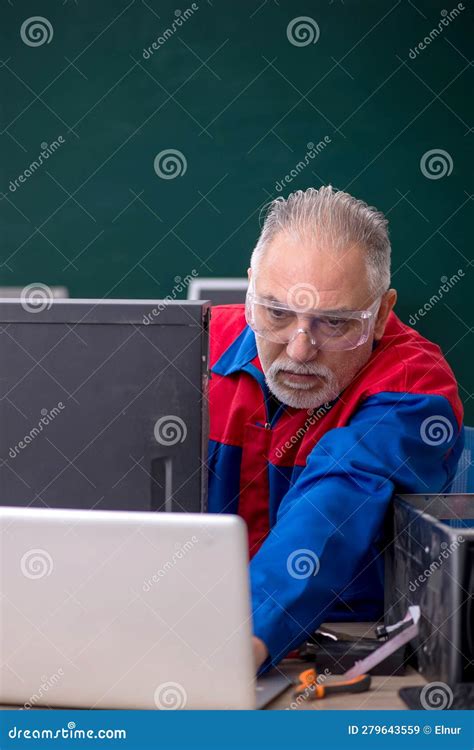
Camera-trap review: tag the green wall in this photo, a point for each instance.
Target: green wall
(240, 102)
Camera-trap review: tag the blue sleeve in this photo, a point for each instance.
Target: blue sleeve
(331, 516)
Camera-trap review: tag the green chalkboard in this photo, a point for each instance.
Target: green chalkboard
(162, 131)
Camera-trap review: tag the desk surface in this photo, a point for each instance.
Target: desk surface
(382, 695)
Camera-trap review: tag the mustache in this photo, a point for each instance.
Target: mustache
(310, 368)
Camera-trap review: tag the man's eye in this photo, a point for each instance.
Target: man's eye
(335, 326)
(335, 322)
(278, 314)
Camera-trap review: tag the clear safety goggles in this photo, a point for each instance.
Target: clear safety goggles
(328, 330)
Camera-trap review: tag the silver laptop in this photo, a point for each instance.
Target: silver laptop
(111, 609)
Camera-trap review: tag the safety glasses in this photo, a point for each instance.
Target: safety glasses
(328, 330)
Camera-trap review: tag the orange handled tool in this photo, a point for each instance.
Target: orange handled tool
(310, 688)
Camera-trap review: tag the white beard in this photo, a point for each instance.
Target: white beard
(303, 396)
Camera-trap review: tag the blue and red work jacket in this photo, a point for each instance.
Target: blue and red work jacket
(314, 486)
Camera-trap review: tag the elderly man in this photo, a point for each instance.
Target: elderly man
(322, 405)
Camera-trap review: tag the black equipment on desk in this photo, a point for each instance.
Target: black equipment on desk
(430, 563)
(337, 652)
(103, 404)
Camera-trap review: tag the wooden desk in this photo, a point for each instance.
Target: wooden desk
(383, 693)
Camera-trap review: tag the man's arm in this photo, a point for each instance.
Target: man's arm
(260, 652)
(333, 513)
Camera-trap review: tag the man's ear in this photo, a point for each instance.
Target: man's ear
(249, 273)
(386, 306)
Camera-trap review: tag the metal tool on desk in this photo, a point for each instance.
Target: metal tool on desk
(357, 679)
(383, 631)
(309, 686)
(391, 645)
(337, 651)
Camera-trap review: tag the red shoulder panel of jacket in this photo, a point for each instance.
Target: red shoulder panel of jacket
(227, 322)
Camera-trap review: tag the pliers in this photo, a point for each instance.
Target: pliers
(312, 687)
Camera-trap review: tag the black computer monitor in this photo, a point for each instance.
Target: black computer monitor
(103, 404)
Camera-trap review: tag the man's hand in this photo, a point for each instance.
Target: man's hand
(260, 652)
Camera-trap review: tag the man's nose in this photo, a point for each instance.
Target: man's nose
(300, 348)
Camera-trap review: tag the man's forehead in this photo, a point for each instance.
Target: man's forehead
(339, 277)
(305, 296)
